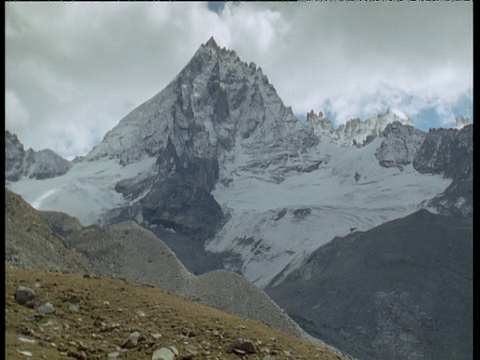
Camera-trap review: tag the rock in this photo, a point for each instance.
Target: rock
(131, 341)
(239, 352)
(98, 323)
(25, 353)
(46, 308)
(113, 355)
(245, 345)
(74, 308)
(189, 333)
(191, 352)
(163, 354)
(174, 350)
(30, 341)
(399, 146)
(24, 294)
(74, 299)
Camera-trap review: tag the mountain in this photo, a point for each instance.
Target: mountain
(400, 290)
(221, 170)
(34, 165)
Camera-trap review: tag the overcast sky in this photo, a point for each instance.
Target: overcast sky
(74, 70)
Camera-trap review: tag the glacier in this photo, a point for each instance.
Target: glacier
(274, 227)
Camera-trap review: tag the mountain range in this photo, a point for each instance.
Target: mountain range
(222, 171)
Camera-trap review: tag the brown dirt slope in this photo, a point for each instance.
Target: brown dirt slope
(93, 316)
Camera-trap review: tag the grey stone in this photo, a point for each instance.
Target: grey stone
(163, 354)
(46, 308)
(24, 294)
(131, 341)
(74, 308)
(245, 345)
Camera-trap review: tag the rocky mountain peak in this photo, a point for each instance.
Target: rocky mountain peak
(322, 126)
(399, 145)
(211, 43)
(31, 164)
(217, 107)
(354, 131)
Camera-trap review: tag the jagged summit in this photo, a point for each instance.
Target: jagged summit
(212, 43)
(354, 131)
(29, 163)
(217, 107)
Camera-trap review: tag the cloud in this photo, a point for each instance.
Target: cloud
(15, 112)
(73, 70)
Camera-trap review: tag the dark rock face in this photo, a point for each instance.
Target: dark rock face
(179, 197)
(14, 154)
(401, 290)
(449, 152)
(399, 145)
(35, 165)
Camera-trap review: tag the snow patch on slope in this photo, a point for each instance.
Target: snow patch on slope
(87, 191)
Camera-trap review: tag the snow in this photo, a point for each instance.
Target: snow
(87, 191)
(337, 204)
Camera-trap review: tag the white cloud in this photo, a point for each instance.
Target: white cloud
(15, 112)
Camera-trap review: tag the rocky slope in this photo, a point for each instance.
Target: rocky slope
(58, 316)
(401, 290)
(31, 164)
(31, 243)
(56, 241)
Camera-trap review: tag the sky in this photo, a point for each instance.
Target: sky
(74, 70)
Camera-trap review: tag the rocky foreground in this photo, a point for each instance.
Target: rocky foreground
(51, 315)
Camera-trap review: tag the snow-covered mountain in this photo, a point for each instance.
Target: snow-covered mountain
(217, 157)
(217, 108)
(354, 131)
